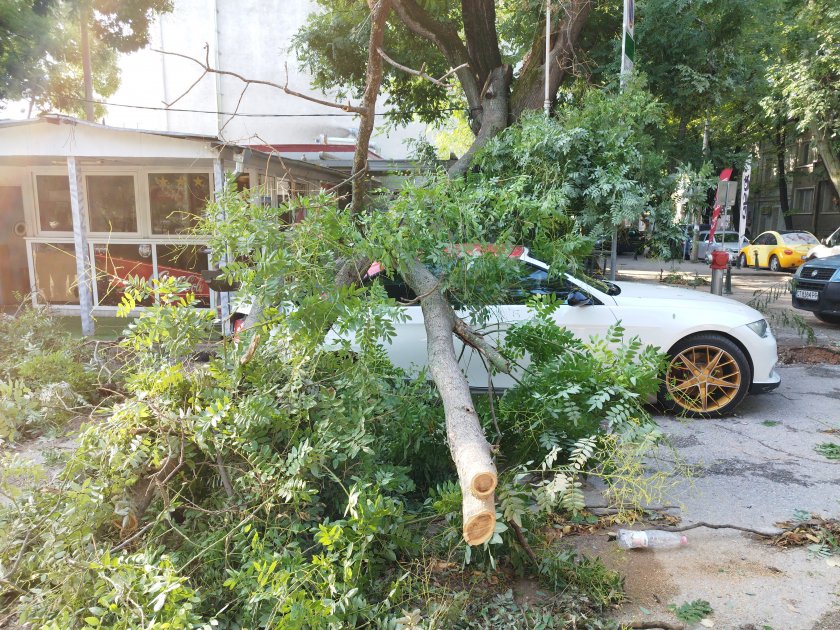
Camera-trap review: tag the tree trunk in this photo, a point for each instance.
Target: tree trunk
(829, 156)
(480, 33)
(447, 40)
(469, 448)
(781, 140)
(528, 93)
(379, 10)
(494, 116)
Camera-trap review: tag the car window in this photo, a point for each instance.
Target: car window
(800, 238)
(535, 281)
(730, 237)
(396, 289)
(765, 239)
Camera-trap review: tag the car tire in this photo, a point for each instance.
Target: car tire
(775, 265)
(742, 260)
(688, 390)
(828, 319)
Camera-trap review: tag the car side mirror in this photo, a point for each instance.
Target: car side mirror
(577, 298)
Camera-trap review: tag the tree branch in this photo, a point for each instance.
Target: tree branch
(379, 12)
(467, 444)
(420, 73)
(205, 66)
(477, 341)
(446, 39)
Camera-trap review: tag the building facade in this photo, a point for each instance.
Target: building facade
(813, 202)
(84, 206)
(254, 39)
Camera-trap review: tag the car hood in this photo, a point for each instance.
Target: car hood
(660, 296)
(822, 251)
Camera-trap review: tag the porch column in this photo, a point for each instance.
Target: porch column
(78, 207)
(224, 296)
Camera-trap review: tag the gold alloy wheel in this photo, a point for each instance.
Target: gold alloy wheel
(703, 379)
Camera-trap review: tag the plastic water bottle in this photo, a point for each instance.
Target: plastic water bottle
(651, 538)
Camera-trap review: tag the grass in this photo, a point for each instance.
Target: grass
(829, 450)
(107, 328)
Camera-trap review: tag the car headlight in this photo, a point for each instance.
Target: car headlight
(835, 277)
(760, 327)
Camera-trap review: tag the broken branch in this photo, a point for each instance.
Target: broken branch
(205, 66)
(420, 73)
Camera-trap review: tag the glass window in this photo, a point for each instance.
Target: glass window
(800, 238)
(115, 264)
(55, 272)
(185, 261)
(534, 281)
(803, 200)
(177, 201)
(54, 203)
(111, 204)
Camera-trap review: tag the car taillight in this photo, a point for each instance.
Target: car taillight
(788, 252)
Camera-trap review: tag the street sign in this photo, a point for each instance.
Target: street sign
(726, 194)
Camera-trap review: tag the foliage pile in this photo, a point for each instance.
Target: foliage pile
(46, 376)
(294, 483)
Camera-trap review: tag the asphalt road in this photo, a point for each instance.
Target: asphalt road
(754, 469)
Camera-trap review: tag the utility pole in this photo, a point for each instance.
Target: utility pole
(547, 102)
(85, 45)
(628, 53)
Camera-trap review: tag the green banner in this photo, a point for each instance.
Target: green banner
(629, 47)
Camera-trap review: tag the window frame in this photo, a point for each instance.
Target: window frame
(137, 204)
(147, 193)
(800, 190)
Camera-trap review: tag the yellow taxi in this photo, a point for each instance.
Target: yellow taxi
(786, 249)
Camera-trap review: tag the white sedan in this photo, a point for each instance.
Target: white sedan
(718, 349)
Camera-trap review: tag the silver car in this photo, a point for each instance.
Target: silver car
(727, 241)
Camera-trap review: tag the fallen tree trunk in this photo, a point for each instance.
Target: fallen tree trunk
(469, 448)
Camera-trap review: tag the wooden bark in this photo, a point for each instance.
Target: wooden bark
(494, 116)
(528, 92)
(447, 40)
(480, 33)
(379, 10)
(781, 139)
(469, 448)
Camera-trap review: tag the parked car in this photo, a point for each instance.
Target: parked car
(816, 288)
(829, 246)
(718, 349)
(787, 249)
(727, 241)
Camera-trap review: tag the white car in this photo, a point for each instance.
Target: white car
(829, 246)
(719, 349)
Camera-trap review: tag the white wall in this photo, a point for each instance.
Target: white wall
(252, 38)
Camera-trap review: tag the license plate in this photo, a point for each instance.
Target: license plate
(807, 295)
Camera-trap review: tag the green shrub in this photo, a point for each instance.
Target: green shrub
(60, 366)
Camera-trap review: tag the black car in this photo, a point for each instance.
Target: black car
(816, 288)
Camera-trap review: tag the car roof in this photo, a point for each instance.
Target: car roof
(469, 249)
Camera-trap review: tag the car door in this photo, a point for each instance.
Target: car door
(765, 250)
(583, 320)
(760, 248)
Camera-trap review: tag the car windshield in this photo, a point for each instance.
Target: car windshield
(800, 238)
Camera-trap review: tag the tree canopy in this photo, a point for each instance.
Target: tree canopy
(41, 52)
